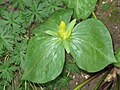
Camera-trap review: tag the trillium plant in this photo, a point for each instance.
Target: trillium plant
(68, 31)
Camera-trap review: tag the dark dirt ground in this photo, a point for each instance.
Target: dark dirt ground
(111, 18)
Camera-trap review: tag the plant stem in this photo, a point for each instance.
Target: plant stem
(101, 80)
(40, 87)
(19, 85)
(4, 87)
(13, 86)
(35, 86)
(68, 73)
(31, 85)
(117, 83)
(94, 15)
(85, 82)
(104, 85)
(107, 85)
(25, 85)
(110, 85)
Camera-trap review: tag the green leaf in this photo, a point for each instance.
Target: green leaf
(52, 23)
(6, 39)
(18, 54)
(71, 25)
(106, 6)
(52, 5)
(62, 83)
(91, 45)
(73, 68)
(36, 11)
(66, 46)
(117, 55)
(11, 22)
(19, 3)
(82, 8)
(2, 2)
(44, 59)
(52, 33)
(6, 71)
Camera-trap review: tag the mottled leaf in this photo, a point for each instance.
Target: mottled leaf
(82, 8)
(44, 60)
(91, 45)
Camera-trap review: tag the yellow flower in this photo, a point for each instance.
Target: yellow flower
(62, 32)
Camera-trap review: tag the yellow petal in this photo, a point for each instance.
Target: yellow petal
(62, 26)
(62, 31)
(67, 34)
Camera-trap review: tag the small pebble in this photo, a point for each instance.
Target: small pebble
(103, 2)
(76, 83)
(109, 15)
(82, 75)
(116, 27)
(73, 76)
(87, 76)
